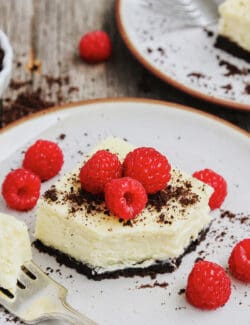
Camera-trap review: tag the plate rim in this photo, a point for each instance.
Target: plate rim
(179, 85)
(87, 102)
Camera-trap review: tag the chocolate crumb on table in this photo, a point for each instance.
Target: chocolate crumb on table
(27, 102)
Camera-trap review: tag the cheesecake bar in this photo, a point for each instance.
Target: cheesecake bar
(234, 27)
(80, 231)
(15, 250)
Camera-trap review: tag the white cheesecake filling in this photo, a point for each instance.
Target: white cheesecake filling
(104, 242)
(15, 250)
(234, 23)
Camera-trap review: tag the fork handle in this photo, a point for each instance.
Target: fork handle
(67, 313)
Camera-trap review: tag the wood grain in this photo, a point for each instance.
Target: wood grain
(52, 29)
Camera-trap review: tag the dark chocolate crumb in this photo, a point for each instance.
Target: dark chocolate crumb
(208, 32)
(247, 89)
(197, 75)
(26, 103)
(72, 89)
(1, 58)
(51, 195)
(232, 69)
(17, 84)
(62, 136)
(181, 291)
(155, 284)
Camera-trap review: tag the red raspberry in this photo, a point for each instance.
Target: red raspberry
(149, 167)
(219, 184)
(208, 286)
(101, 168)
(95, 47)
(44, 158)
(21, 189)
(239, 261)
(125, 197)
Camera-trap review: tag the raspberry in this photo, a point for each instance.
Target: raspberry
(21, 189)
(219, 184)
(208, 286)
(44, 158)
(95, 47)
(101, 168)
(239, 261)
(149, 167)
(125, 197)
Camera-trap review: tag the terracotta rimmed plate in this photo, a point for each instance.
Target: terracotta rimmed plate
(192, 140)
(184, 57)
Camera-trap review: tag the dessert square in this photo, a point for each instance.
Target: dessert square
(15, 250)
(234, 26)
(80, 231)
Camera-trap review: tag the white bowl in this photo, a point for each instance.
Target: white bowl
(5, 73)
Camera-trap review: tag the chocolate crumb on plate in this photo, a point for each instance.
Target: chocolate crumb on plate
(208, 32)
(1, 58)
(62, 136)
(155, 284)
(232, 69)
(247, 89)
(181, 291)
(197, 75)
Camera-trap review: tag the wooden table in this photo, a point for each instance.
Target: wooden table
(52, 29)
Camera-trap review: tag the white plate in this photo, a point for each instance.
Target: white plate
(191, 140)
(185, 58)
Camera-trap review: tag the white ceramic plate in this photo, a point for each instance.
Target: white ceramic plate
(186, 57)
(192, 141)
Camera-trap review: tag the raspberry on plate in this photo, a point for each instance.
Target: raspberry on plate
(95, 46)
(101, 168)
(219, 184)
(125, 197)
(44, 158)
(208, 287)
(21, 189)
(149, 167)
(239, 261)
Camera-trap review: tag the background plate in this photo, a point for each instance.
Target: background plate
(183, 57)
(191, 141)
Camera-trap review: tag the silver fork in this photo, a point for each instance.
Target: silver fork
(39, 298)
(189, 13)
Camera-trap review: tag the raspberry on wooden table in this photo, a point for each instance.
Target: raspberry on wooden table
(239, 261)
(95, 46)
(125, 197)
(21, 189)
(208, 287)
(149, 167)
(216, 181)
(44, 158)
(101, 168)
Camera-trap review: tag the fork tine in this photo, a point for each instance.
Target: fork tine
(190, 13)
(33, 268)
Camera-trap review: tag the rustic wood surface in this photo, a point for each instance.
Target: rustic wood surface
(52, 28)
